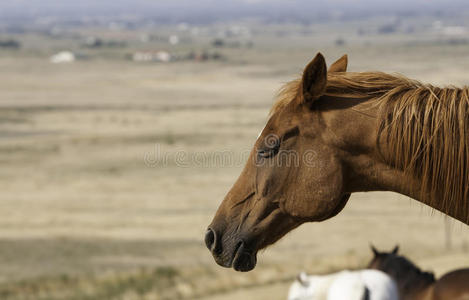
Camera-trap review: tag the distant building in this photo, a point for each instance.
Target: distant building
(173, 39)
(62, 57)
(454, 30)
(449, 30)
(158, 56)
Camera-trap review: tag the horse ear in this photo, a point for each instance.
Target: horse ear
(314, 79)
(340, 65)
(375, 251)
(302, 279)
(395, 250)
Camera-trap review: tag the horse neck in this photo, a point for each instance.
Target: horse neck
(374, 170)
(416, 289)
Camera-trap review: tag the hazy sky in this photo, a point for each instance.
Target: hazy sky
(195, 4)
(186, 8)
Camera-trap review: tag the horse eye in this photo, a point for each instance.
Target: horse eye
(269, 151)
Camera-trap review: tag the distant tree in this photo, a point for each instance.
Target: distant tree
(339, 42)
(217, 56)
(93, 42)
(218, 43)
(10, 43)
(387, 29)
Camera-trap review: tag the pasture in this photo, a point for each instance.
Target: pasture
(111, 171)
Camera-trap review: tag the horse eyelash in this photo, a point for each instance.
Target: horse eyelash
(291, 133)
(270, 152)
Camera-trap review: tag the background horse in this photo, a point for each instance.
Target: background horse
(345, 285)
(414, 284)
(334, 133)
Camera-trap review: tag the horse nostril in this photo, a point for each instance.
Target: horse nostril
(210, 239)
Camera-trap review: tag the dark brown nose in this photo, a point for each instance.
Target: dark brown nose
(210, 239)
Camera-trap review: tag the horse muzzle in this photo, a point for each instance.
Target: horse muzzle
(230, 252)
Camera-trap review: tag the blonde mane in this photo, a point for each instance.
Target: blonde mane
(425, 127)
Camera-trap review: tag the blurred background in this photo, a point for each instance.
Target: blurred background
(124, 123)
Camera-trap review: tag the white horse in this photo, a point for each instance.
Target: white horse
(345, 285)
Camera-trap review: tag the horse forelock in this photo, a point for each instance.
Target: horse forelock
(288, 93)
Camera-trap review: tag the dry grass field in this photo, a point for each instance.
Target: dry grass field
(110, 173)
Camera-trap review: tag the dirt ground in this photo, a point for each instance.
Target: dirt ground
(110, 167)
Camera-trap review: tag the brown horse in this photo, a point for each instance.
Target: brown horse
(415, 284)
(333, 133)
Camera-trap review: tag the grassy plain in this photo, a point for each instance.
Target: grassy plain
(109, 174)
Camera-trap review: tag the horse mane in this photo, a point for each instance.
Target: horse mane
(362, 85)
(289, 92)
(425, 127)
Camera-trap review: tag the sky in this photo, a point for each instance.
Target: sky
(180, 10)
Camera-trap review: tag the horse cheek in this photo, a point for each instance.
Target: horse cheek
(318, 193)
